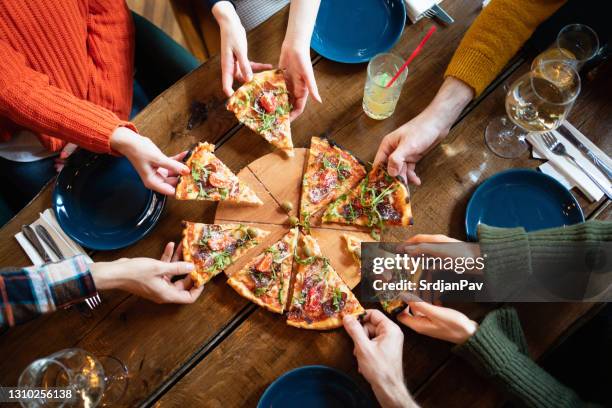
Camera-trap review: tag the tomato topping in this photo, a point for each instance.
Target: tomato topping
(219, 180)
(266, 101)
(265, 264)
(313, 301)
(221, 242)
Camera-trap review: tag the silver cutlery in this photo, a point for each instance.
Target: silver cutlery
(558, 148)
(587, 152)
(44, 235)
(93, 301)
(438, 11)
(31, 236)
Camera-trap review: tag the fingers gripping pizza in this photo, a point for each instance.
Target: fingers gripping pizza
(263, 106)
(330, 172)
(379, 200)
(211, 180)
(265, 280)
(320, 297)
(213, 247)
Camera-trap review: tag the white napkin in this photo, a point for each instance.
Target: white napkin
(564, 170)
(68, 247)
(416, 8)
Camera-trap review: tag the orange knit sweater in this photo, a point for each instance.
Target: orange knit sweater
(66, 70)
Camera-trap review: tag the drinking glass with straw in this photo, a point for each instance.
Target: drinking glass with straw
(386, 75)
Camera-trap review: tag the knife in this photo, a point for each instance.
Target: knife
(30, 235)
(442, 15)
(587, 152)
(43, 233)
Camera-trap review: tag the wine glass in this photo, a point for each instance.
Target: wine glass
(538, 101)
(576, 43)
(91, 380)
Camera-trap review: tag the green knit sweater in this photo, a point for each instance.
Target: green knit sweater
(498, 348)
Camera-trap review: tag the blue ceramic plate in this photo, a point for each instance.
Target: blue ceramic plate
(354, 31)
(314, 386)
(101, 203)
(521, 198)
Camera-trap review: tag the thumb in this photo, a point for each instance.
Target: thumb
(355, 330)
(177, 268)
(245, 66)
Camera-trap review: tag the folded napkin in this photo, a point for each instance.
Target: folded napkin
(68, 247)
(416, 8)
(564, 170)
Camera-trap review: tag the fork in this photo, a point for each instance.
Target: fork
(554, 145)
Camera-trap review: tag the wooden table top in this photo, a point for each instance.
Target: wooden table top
(223, 350)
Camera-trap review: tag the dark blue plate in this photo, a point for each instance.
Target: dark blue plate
(354, 31)
(101, 203)
(314, 386)
(521, 198)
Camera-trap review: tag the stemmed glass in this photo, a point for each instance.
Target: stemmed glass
(576, 43)
(92, 380)
(538, 101)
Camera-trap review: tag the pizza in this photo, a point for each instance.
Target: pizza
(353, 246)
(262, 104)
(265, 280)
(330, 173)
(213, 247)
(320, 297)
(211, 180)
(379, 200)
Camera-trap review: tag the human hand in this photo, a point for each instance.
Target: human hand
(149, 278)
(297, 69)
(235, 63)
(156, 170)
(429, 245)
(406, 145)
(438, 322)
(60, 161)
(378, 349)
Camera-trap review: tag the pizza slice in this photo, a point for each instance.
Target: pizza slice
(379, 200)
(265, 279)
(330, 173)
(213, 247)
(262, 104)
(320, 297)
(211, 180)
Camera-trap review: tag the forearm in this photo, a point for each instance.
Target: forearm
(224, 12)
(30, 292)
(498, 349)
(495, 36)
(450, 100)
(392, 393)
(302, 17)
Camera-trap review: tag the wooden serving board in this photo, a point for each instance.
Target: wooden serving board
(277, 179)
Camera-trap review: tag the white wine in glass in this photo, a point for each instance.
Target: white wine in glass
(538, 101)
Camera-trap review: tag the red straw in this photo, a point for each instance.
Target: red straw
(416, 52)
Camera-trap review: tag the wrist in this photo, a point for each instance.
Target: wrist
(452, 97)
(122, 140)
(393, 395)
(224, 12)
(102, 275)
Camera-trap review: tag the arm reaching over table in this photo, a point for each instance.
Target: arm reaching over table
(235, 62)
(378, 348)
(497, 348)
(295, 54)
(30, 292)
(495, 36)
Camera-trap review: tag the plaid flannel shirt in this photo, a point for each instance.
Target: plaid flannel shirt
(29, 292)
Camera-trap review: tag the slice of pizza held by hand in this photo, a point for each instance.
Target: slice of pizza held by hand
(320, 297)
(211, 180)
(214, 247)
(330, 173)
(262, 104)
(265, 279)
(378, 201)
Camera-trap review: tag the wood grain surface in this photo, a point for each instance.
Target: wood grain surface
(224, 351)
